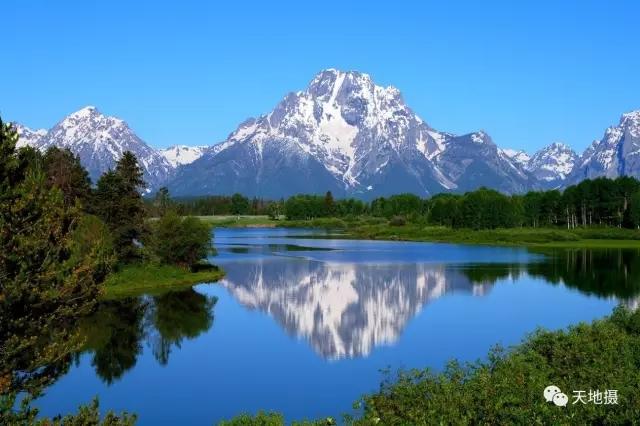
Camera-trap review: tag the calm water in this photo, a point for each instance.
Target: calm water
(304, 325)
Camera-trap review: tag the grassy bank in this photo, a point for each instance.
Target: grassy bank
(380, 229)
(149, 278)
(376, 228)
(238, 221)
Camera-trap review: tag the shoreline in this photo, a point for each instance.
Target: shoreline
(379, 229)
(135, 280)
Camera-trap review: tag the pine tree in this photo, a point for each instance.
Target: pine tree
(117, 201)
(50, 272)
(329, 204)
(162, 202)
(130, 172)
(65, 172)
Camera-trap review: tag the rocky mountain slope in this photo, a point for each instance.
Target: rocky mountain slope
(179, 155)
(616, 154)
(100, 140)
(345, 134)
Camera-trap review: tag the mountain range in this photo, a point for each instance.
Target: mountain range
(344, 134)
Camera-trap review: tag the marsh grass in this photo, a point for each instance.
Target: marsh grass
(150, 278)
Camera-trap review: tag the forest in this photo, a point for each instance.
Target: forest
(598, 202)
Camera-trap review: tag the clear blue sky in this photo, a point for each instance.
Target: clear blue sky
(189, 72)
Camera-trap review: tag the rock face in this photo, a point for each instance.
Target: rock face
(616, 154)
(100, 140)
(553, 164)
(345, 134)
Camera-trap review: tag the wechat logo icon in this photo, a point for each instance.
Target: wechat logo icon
(553, 394)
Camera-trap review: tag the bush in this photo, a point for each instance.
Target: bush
(92, 238)
(179, 241)
(397, 221)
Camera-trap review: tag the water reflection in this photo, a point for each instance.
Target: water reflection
(115, 333)
(344, 310)
(347, 309)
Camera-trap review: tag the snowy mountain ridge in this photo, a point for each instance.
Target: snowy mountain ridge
(346, 134)
(179, 155)
(99, 140)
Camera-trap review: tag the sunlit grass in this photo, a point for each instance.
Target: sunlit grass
(150, 278)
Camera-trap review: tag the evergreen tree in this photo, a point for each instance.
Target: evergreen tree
(65, 172)
(162, 202)
(239, 204)
(329, 205)
(117, 201)
(130, 172)
(50, 272)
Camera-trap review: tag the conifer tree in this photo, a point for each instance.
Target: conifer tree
(118, 202)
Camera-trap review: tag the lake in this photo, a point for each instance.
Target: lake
(303, 324)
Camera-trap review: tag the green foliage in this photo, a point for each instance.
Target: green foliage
(275, 210)
(507, 388)
(87, 415)
(64, 171)
(303, 207)
(487, 209)
(117, 201)
(181, 241)
(239, 204)
(397, 205)
(397, 221)
(329, 204)
(162, 202)
(260, 419)
(144, 278)
(634, 210)
(52, 262)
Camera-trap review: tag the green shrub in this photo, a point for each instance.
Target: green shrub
(179, 241)
(397, 221)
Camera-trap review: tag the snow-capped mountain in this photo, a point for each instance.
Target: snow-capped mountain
(179, 155)
(553, 164)
(100, 140)
(519, 156)
(473, 160)
(28, 137)
(345, 134)
(616, 154)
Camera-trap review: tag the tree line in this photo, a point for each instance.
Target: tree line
(60, 237)
(597, 202)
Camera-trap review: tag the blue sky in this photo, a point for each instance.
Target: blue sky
(189, 72)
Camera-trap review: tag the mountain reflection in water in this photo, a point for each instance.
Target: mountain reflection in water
(347, 309)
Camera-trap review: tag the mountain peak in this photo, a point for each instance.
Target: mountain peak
(553, 163)
(85, 112)
(559, 145)
(353, 137)
(100, 140)
(631, 118)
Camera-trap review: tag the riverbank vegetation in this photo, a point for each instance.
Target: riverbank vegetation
(507, 387)
(149, 278)
(600, 212)
(61, 241)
